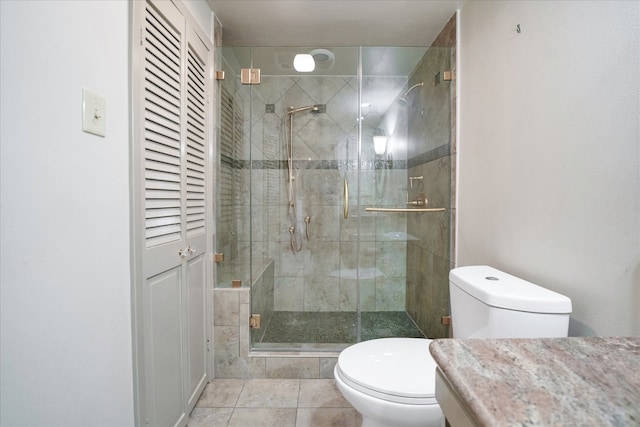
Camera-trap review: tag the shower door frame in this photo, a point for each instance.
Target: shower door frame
(256, 171)
(323, 232)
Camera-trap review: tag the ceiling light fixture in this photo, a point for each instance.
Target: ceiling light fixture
(304, 63)
(379, 142)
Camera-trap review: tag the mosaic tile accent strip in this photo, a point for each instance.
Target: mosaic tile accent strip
(429, 156)
(436, 153)
(314, 164)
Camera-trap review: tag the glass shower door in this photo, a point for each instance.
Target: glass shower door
(304, 147)
(406, 191)
(386, 74)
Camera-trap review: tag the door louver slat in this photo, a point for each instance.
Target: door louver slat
(153, 206)
(152, 184)
(165, 212)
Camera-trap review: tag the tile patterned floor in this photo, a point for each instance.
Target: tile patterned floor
(273, 403)
(337, 327)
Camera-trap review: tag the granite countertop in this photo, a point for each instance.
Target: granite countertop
(582, 381)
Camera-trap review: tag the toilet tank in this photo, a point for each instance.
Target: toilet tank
(488, 303)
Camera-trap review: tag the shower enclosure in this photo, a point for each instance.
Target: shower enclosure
(322, 183)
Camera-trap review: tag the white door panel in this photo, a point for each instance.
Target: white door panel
(165, 344)
(196, 330)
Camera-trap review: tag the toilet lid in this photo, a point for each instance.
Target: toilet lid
(395, 369)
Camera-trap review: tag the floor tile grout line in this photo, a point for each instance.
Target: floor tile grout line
(235, 405)
(298, 401)
(301, 412)
(244, 384)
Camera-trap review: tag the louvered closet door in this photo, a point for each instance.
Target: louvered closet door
(196, 155)
(174, 157)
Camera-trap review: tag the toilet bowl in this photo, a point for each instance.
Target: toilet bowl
(390, 382)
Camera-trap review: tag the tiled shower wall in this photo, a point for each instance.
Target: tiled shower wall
(321, 276)
(432, 152)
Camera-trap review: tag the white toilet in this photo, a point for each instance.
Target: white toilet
(391, 381)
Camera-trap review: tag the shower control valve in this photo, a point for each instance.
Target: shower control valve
(420, 201)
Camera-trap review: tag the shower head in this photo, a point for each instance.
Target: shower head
(403, 98)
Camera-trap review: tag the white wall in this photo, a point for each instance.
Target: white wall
(549, 154)
(66, 309)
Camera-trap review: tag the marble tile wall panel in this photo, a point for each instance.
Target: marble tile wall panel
(286, 367)
(432, 254)
(233, 358)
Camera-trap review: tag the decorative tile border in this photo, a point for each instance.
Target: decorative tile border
(377, 164)
(429, 156)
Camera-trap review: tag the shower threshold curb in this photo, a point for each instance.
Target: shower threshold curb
(293, 353)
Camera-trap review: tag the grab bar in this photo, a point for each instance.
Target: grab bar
(404, 210)
(346, 199)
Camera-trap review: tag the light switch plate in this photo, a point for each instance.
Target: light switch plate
(94, 113)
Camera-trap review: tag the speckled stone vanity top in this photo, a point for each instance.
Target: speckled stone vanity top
(582, 381)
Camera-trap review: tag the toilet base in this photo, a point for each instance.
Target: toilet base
(382, 413)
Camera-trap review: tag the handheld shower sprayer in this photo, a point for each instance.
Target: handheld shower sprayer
(287, 127)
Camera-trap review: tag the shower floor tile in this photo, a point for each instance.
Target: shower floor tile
(311, 327)
(387, 324)
(337, 327)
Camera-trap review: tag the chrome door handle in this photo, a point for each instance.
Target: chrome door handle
(183, 253)
(346, 199)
